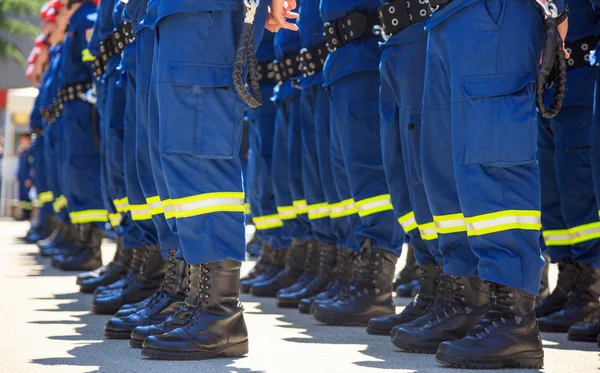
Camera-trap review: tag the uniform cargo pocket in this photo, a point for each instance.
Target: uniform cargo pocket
(499, 120)
(203, 113)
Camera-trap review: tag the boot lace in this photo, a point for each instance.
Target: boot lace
(366, 274)
(203, 297)
(450, 298)
(501, 311)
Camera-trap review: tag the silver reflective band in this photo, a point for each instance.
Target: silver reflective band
(206, 203)
(373, 205)
(501, 221)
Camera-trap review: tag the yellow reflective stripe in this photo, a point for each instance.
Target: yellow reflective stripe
(287, 212)
(503, 221)
(46, 197)
(267, 222)
(154, 205)
(451, 223)
(301, 206)
(60, 203)
(343, 208)
(86, 56)
(122, 204)
(572, 236)
(26, 205)
(208, 203)
(318, 211)
(89, 216)
(408, 222)
(247, 208)
(114, 219)
(428, 231)
(374, 205)
(168, 208)
(140, 212)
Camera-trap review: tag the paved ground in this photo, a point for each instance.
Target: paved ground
(47, 327)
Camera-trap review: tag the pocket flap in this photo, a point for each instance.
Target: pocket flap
(495, 85)
(197, 75)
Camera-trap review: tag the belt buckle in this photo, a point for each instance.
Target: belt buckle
(380, 30)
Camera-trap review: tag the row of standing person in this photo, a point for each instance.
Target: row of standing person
(429, 137)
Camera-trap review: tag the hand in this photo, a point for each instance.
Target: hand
(562, 30)
(279, 12)
(28, 183)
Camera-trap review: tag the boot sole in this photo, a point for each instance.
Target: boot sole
(415, 349)
(136, 343)
(582, 338)
(335, 320)
(287, 304)
(304, 309)
(237, 350)
(117, 334)
(554, 328)
(523, 360)
(104, 311)
(374, 331)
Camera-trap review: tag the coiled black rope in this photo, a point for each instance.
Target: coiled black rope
(245, 54)
(553, 71)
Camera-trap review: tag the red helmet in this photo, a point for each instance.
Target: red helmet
(50, 10)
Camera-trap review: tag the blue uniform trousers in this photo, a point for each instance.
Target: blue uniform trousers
(479, 137)
(355, 121)
(268, 223)
(81, 170)
(200, 119)
(50, 155)
(400, 98)
(135, 194)
(570, 225)
(312, 102)
(287, 169)
(147, 142)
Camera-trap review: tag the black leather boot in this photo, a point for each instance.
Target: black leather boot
(567, 275)
(215, 328)
(41, 231)
(138, 254)
(405, 281)
(583, 306)
(65, 245)
(58, 238)
(141, 287)
(108, 274)
(585, 332)
(430, 274)
(88, 256)
(458, 314)
(180, 317)
(259, 268)
(314, 282)
(342, 275)
(295, 259)
(544, 286)
(161, 305)
(309, 269)
(370, 294)
(507, 337)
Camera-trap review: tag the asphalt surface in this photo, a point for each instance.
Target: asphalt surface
(47, 327)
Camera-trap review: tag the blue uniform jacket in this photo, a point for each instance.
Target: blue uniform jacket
(311, 34)
(35, 119)
(584, 19)
(168, 7)
(75, 49)
(360, 55)
(454, 6)
(51, 77)
(24, 170)
(135, 12)
(287, 43)
(127, 60)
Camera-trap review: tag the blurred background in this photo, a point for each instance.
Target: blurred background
(19, 25)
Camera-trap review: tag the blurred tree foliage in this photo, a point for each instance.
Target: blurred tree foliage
(15, 22)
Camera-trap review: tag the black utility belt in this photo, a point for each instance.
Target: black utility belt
(305, 63)
(72, 92)
(112, 46)
(580, 51)
(397, 15)
(386, 21)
